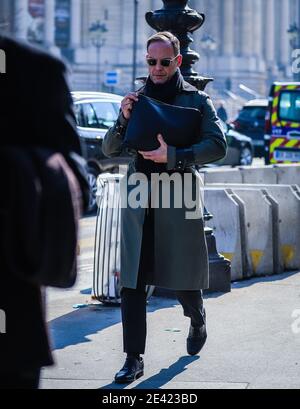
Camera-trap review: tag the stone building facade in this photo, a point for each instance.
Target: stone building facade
(252, 46)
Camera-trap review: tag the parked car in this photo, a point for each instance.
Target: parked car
(95, 113)
(240, 147)
(251, 122)
(282, 133)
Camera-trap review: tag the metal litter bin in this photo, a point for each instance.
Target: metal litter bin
(106, 274)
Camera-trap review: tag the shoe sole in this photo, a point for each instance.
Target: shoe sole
(137, 376)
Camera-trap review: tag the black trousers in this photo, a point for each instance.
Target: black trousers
(133, 308)
(133, 301)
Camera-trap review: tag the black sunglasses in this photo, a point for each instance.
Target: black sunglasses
(165, 62)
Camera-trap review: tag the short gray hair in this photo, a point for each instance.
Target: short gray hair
(165, 36)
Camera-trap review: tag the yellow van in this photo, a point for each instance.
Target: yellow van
(282, 129)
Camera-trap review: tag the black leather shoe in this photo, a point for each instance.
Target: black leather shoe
(196, 339)
(132, 370)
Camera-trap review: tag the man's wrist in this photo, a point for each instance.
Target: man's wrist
(178, 159)
(122, 120)
(121, 125)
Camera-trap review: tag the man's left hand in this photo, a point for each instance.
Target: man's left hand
(159, 155)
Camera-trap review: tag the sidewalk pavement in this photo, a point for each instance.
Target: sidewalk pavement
(253, 339)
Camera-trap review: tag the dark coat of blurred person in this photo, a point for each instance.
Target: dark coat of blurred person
(36, 110)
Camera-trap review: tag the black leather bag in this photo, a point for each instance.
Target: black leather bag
(179, 126)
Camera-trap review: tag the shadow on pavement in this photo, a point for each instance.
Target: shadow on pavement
(75, 327)
(169, 294)
(264, 279)
(86, 291)
(162, 378)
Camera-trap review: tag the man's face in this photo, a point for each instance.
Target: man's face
(158, 51)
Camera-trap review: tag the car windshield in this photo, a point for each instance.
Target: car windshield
(289, 106)
(252, 113)
(106, 113)
(97, 114)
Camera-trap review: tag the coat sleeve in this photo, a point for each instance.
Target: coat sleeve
(112, 144)
(60, 133)
(211, 148)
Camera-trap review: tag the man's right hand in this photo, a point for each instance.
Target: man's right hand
(127, 103)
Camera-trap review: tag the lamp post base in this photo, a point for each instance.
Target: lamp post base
(219, 266)
(176, 16)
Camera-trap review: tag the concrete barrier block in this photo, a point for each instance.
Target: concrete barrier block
(288, 199)
(289, 226)
(259, 230)
(220, 175)
(288, 174)
(247, 270)
(226, 227)
(257, 175)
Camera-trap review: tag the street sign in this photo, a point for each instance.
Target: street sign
(112, 78)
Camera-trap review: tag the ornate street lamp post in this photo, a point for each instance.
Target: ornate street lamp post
(208, 44)
(96, 32)
(135, 33)
(182, 21)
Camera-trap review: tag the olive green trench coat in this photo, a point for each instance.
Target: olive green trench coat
(180, 250)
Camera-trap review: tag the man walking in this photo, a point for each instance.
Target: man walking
(36, 112)
(161, 246)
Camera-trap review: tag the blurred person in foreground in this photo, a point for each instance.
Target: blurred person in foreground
(36, 113)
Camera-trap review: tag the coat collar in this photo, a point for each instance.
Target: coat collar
(186, 87)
